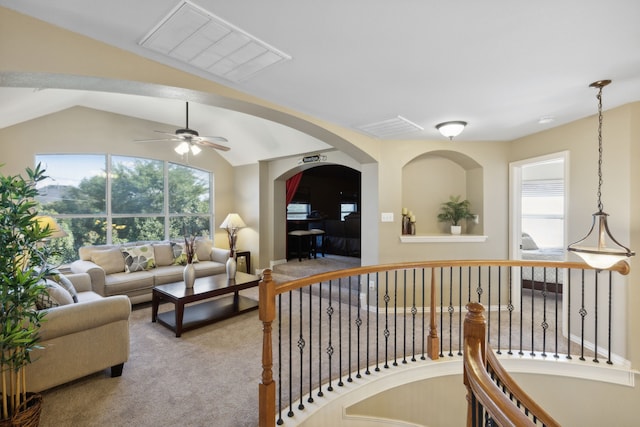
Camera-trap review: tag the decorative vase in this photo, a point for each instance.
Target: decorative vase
(189, 275)
(231, 267)
(456, 229)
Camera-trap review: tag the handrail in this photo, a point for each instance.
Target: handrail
(403, 319)
(482, 386)
(621, 267)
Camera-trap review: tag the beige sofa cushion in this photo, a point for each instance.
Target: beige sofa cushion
(203, 249)
(163, 253)
(111, 260)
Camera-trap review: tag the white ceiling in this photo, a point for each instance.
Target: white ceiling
(500, 65)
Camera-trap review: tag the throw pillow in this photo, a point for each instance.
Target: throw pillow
(203, 249)
(528, 244)
(63, 281)
(163, 253)
(138, 258)
(110, 260)
(55, 296)
(180, 254)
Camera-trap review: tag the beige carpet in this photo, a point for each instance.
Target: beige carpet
(208, 377)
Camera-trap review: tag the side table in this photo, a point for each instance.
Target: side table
(247, 258)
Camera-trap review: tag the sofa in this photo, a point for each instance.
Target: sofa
(80, 338)
(343, 237)
(133, 269)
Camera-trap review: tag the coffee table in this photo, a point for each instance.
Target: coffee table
(209, 309)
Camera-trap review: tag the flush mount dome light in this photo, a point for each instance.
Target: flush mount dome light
(451, 129)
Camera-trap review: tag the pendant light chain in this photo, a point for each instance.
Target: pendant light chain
(600, 207)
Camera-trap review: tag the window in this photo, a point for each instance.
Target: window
(346, 209)
(543, 211)
(298, 210)
(102, 199)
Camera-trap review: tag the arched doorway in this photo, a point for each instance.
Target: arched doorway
(327, 197)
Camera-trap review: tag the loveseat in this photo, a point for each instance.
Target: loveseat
(133, 269)
(80, 338)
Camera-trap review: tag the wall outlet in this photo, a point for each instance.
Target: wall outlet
(372, 284)
(386, 217)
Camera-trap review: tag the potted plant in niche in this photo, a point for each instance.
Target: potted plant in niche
(454, 211)
(22, 268)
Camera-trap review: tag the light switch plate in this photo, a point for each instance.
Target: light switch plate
(386, 217)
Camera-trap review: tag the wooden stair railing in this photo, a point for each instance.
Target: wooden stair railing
(435, 280)
(491, 392)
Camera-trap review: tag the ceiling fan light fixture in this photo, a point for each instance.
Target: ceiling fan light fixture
(599, 248)
(195, 149)
(182, 148)
(451, 129)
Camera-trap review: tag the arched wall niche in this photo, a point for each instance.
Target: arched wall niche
(431, 178)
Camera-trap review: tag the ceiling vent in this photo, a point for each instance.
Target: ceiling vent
(197, 37)
(391, 127)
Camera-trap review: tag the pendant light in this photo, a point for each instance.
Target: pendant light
(599, 248)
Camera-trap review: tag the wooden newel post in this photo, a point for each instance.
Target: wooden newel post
(474, 330)
(475, 325)
(267, 388)
(433, 343)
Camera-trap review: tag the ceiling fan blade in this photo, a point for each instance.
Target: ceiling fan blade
(157, 140)
(166, 133)
(214, 138)
(210, 144)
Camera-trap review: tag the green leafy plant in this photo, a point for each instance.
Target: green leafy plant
(455, 210)
(22, 267)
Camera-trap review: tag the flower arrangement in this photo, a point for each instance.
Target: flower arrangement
(189, 248)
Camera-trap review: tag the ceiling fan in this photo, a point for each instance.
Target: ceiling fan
(190, 140)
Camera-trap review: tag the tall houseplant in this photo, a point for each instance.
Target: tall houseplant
(454, 211)
(22, 267)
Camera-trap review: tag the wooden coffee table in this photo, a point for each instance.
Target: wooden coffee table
(209, 309)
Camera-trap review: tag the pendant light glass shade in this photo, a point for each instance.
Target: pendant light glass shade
(599, 248)
(451, 129)
(184, 147)
(595, 250)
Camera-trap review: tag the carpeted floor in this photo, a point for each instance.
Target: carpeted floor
(208, 377)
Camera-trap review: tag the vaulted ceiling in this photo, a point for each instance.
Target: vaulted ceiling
(508, 68)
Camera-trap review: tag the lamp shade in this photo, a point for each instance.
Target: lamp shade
(599, 248)
(451, 129)
(182, 148)
(45, 221)
(233, 222)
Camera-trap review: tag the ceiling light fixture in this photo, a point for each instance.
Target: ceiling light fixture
(593, 248)
(184, 147)
(451, 129)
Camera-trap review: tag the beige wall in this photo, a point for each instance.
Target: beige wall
(432, 185)
(440, 401)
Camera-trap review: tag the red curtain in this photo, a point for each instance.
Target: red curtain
(292, 186)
